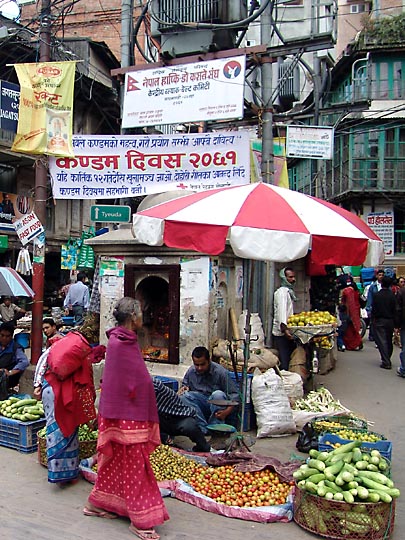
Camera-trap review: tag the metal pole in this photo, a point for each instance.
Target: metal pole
(267, 167)
(41, 177)
(127, 8)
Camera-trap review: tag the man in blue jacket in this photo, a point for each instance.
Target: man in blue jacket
(13, 360)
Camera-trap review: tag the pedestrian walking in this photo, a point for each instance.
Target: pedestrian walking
(372, 290)
(128, 425)
(401, 324)
(383, 319)
(78, 299)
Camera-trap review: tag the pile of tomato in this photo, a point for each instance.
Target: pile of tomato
(244, 489)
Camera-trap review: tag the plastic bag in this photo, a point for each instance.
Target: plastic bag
(307, 439)
(272, 407)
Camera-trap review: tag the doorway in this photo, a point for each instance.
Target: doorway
(157, 287)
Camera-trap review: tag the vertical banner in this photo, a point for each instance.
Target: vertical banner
(280, 177)
(46, 108)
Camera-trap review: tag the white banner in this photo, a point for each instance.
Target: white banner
(208, 90)
(116, 166)
(313, 142)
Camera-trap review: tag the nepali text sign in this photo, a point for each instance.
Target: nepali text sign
(9, 102)
(208, 90)
(382, 223)
(46, 108)
(28, 227)
(311, 142)
(116, 166)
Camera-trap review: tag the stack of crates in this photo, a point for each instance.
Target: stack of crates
(367, 275)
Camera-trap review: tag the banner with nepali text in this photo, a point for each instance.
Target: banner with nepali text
(117, 166)
(45, 115)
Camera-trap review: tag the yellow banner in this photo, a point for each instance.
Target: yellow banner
(46, 108)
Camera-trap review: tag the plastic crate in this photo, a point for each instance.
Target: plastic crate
(168, 381)
(21, 436)
(326, 441)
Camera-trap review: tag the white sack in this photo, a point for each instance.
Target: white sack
(272, 407)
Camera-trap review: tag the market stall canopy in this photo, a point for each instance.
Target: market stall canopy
(12, 284)
(261, 222)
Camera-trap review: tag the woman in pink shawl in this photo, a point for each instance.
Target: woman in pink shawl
(128, 432)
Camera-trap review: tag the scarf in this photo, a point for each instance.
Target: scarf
(286, 283)
(127, 391)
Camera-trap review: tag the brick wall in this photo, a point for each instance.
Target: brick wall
(99, 21)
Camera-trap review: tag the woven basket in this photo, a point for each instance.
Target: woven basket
(341, 520)
(86, 450)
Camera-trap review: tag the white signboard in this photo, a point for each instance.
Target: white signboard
(382, 223)
(310, 142)
(109, 166)
(28, 227)
(208, 90)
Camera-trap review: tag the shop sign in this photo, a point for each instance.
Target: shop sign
(3, 243)
(205, 90)
(28, 227)
(9, 103)
(312, 142)
(382, 223)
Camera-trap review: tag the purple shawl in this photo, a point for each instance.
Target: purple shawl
(127, 390)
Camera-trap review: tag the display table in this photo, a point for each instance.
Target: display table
(327, 356)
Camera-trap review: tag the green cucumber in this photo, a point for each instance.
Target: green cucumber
(383, 495)
(317, 464)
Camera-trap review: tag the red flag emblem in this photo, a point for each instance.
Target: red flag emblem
(131, 84)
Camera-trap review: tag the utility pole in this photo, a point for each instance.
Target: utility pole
(267, 166)
(41, 177)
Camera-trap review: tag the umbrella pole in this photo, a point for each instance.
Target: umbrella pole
(246, 349)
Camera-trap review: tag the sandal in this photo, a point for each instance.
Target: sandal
(98, 513)
(144, 534)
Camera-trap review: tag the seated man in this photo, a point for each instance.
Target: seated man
(205, 381)
(175, 418)
(9, 311)
(12, 357)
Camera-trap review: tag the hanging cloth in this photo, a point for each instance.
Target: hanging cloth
(24, 266)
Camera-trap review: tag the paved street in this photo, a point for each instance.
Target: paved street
(32, 508)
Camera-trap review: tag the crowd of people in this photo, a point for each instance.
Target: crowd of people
(383, 301)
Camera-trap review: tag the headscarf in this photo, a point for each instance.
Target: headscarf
(286, 283)
(127, 391)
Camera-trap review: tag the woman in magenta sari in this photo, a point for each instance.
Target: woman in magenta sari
(128, 432)
(350, 297)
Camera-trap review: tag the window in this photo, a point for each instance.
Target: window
(358, 8)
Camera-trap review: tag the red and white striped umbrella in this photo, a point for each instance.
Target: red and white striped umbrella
(262, 222)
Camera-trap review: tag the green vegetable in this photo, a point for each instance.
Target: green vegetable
(357, 455)
(317, 464)
(23, 402)
(383, 495)
(301, 474)
(338, 496)
(333, 469)
(332, 486)
(361, 465)
(377, 477)
(348, 497)
(316, 478)
(362, 492)
(349, 447)
(311, 487)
